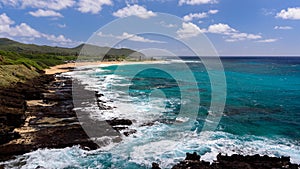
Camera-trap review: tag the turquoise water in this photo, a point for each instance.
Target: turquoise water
(263, 95)
(262, 113)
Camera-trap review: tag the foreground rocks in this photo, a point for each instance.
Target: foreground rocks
(39, 114)
(192, 161)
(13, 105)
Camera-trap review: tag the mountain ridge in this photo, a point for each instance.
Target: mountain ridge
(15, 46)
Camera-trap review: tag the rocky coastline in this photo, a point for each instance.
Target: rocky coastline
(40, 114)
(192, 161)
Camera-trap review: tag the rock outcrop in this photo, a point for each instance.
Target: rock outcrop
(39, 114)
(192, 161)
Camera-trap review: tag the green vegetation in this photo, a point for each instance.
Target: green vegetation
(15, 73)
(29, 55)
(41, 57)
(19, 61)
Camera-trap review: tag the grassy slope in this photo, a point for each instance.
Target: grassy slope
(15, 73)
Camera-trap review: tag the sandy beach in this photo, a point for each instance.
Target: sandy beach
(66, 67)
(69, 66)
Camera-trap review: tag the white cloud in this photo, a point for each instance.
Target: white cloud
(189, 30)
(244, 36)
(134, 10)
(164, 24)
(202, 15)
(231, 40)
(221, 28)
(84, 6)
(45, 13)
(101, 34)
(137, 38)
(131, 1)
(290, 13)
(131, 37)
(196, 2)
(62, 25)
(283, 27)
(59, 38)
(13, 3)
(191, 16)
(213, 11)
(233, 34)
(267, 40)
(5, 20)
(268, 12)
(92, 6)
(44, 4)
(252, 36)
(23, 30)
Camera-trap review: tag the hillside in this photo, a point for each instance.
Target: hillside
(12, 52)
(31, 58)
(13, 46)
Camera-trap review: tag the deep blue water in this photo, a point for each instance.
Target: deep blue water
(262, 113)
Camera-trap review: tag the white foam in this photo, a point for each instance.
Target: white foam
(148, 146)
(168, 151)
(48, 158)
(185, 61)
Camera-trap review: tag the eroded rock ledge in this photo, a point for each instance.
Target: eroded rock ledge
(192, 161)
(39, 114)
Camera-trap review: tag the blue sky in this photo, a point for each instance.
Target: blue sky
(235, 27)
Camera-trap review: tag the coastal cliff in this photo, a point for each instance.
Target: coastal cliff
(37, 114)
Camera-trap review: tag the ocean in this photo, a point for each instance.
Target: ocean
(169, 102)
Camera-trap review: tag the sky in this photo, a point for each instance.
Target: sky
(234, 27)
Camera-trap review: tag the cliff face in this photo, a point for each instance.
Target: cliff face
(32, 117)
(13, 104)
(13, 94)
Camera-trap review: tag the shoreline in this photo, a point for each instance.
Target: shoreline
(46, 121)
(46, 107)
(63, 68)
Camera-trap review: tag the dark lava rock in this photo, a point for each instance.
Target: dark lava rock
(12, 113)
(127, 133)
(235, 161)
(155, 166)
(52, 137)
(52, 126)
(7, 135)
(192, 157)
(116, 121)
(50, 123)
(97, 94)
(120, 124)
